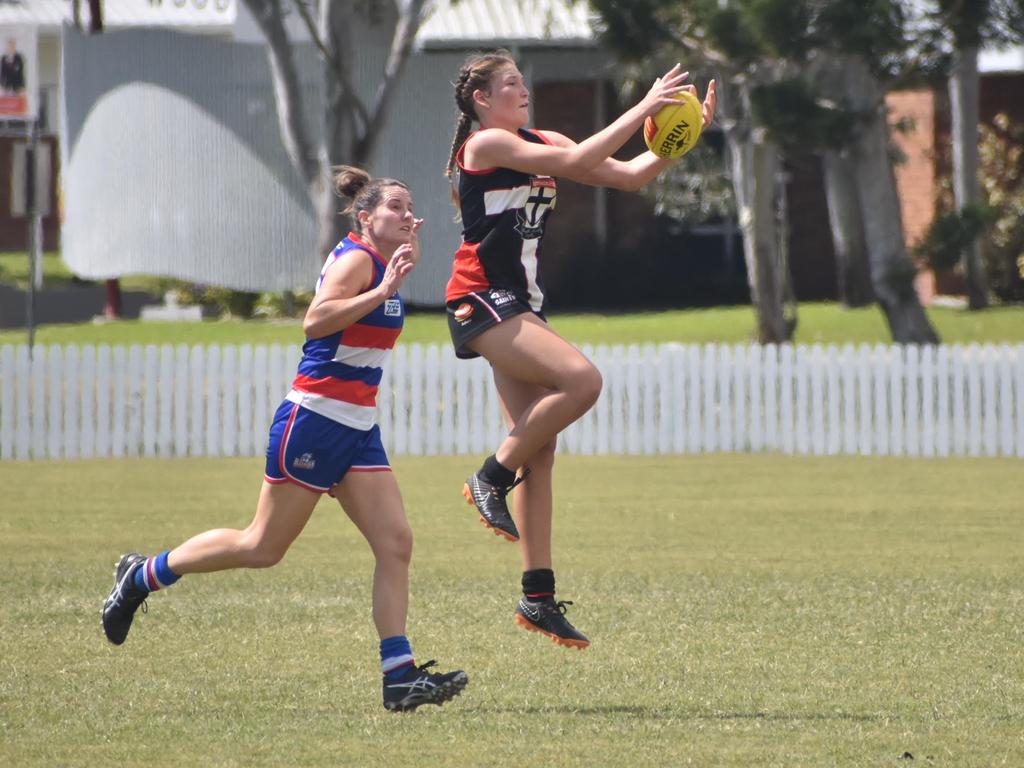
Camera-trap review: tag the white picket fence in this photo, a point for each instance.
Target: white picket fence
(83, 402)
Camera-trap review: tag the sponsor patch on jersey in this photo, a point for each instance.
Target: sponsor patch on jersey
(393, 308)
(305, 461)
(463, 312)
(500, 297)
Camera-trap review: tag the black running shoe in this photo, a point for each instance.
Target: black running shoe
(421, 687)
(489, 501)
(124, 599)
(548, 617)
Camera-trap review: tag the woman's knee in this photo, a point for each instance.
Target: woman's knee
(586, 383)
(261, 552)
(396, 545)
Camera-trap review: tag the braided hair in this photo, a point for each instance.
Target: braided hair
(475, 74)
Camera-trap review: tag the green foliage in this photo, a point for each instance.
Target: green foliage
(797, 118)
(744, 611)
(696, 190)
(1001, 171)
(950, 235)
(872, 30)
(781, 26)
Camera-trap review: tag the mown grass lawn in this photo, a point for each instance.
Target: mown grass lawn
(744, 611)
(818, 323)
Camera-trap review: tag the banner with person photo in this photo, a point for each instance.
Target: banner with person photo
(19, 73)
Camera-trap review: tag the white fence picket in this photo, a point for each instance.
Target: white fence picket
(989, 415)
(72, 383)
(786, 398)
(958, 364)
(245, 444)
(264, 403)
(1018, 388)
(118, 399)
(197, 401)
(943, 403)
(894, 416)
(911, 414)
(165, 408)
(53, 405)
(7, 386)
(180, 387)
(756, 385)
(23, 376)
(87, 407)
(1004, 377)
(693, 410)
(104, 367)
(229, 400)
(928, 406)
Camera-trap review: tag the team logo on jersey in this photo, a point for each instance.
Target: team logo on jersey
(305, 461)
(530, 218)
(463, 312)
(392, 308)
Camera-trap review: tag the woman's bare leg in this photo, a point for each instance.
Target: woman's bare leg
(281, 513)
(373, 501)
(528, 350)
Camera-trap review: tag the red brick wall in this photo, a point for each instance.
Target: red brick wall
(916, 177)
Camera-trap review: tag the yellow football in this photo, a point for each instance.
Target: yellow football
(675, 129)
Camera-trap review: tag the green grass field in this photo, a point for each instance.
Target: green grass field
(819, 323)
(744, 611)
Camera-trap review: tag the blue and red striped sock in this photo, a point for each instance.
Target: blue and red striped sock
(155, 574)
(395, 656)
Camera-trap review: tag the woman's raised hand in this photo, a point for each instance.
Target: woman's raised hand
(664, 90)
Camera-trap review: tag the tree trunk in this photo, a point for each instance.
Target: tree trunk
(846, 221)
(95, 16)
(755, 167)
(892, 272)
(340, 129)
(963, 95)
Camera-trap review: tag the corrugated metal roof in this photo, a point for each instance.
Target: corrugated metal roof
(468, 23)
(49, 15)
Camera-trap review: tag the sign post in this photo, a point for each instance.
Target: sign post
(19, 103)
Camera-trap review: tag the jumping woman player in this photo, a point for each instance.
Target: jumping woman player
(324, 440)
(506, 191)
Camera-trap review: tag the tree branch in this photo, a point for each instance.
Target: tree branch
(409, 20)
(332, 61)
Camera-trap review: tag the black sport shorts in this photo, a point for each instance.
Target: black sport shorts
(476, 312)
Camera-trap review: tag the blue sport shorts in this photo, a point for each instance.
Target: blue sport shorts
(315, 452)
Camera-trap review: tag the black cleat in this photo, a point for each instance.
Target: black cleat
(124, 599)
(548, 617)
(489, 501)
(421, 687)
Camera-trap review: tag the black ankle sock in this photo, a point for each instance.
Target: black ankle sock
(497, 473)
(538, 583)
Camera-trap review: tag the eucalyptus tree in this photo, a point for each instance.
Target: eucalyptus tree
(808, 74)
(351, 125)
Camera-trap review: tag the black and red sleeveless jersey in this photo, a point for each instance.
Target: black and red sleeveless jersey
(503, 217)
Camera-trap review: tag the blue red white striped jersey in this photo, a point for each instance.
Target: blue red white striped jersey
(339, 374)
(503, 216)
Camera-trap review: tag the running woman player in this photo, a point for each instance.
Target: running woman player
(324, 440)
